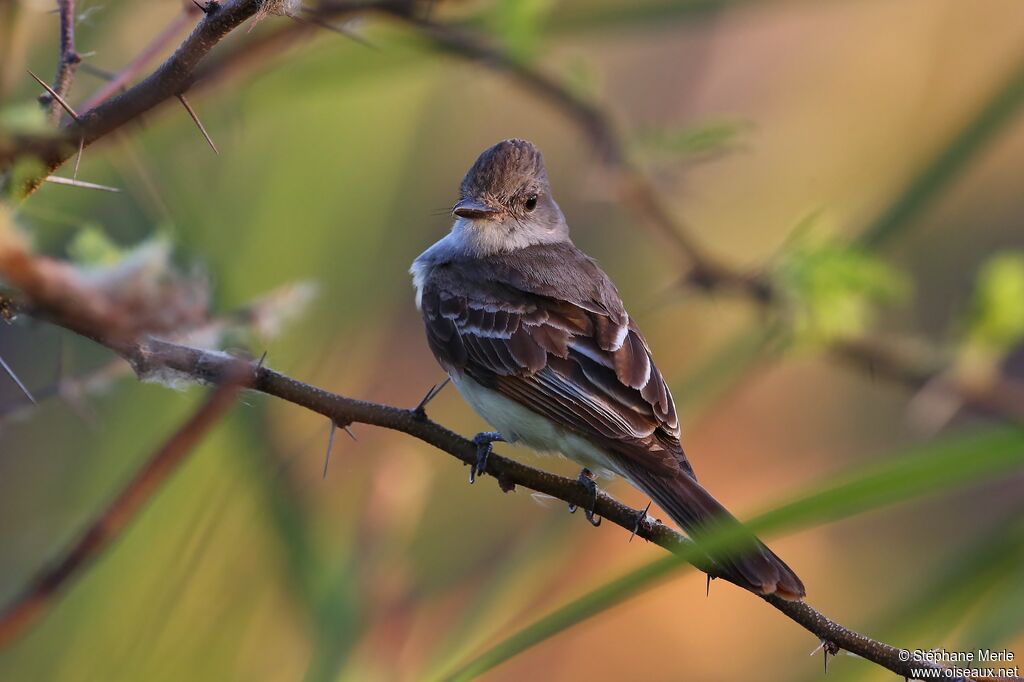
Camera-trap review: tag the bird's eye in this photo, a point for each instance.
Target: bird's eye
(531, 202)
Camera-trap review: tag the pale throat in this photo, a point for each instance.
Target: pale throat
(479, 239)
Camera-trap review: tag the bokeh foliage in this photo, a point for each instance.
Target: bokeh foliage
(337, 165)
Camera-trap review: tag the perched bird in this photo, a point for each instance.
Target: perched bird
(536, 338)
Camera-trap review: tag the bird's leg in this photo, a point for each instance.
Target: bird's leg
(641, 516)
(586, 478)
(483, 441)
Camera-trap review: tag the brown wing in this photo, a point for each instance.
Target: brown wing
(584, 367)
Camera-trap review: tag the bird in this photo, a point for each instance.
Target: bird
(536, 338)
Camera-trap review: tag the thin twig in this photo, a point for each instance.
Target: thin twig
(117, 82)
(1000, 397)
(27, 607)
(169, 79)
(339, 29)
(67, 60)
(634, 186)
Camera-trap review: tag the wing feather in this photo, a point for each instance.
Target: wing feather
(581, 363)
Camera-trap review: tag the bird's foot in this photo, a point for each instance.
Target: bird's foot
(641, 516)
(483, 443)
(586, 479)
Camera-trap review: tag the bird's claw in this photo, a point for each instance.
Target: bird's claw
(483, 443)
(586, 479)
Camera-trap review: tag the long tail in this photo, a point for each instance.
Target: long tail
(753, 566)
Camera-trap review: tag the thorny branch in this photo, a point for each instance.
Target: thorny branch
(47, 291)
(170, 79)
(154, 357)
(67, 60)
(101, 116)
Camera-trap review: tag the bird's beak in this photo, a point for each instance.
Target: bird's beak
(473, 209)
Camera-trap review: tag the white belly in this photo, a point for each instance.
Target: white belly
(518, 424)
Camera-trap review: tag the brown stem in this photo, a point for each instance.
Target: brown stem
(62, 303)
(169, 79)
(67, 61)
(155, 357)
(635, 188)
(160, 43)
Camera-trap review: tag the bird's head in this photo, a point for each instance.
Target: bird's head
(505, 199)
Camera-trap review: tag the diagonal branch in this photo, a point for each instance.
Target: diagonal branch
(40, 594)
(151, 357)
(635, 188)
(154, 357)
(170, 78)
(161, 42)
(1001, 397)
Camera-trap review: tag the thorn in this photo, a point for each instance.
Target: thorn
(707, 587)
(330, 446)
(828, 649)
(199, 124)
(58, 180)
(341, 30)
(97, 71)
(209, 8)
(421, 410)
(78, 157)
(56, 96)
(259, 365)
(10, 373)
(639, 521)
(348, 430)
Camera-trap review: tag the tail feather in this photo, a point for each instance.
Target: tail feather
(752, 565)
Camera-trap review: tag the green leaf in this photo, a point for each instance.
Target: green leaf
(995, 321)
(23, 117)
(582, 79)
(992, 118)
(833, 289)
(518, 24)
(703, 139)
(92, 247)
(946, 464)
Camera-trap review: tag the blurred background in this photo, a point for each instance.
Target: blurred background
(777, 131)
